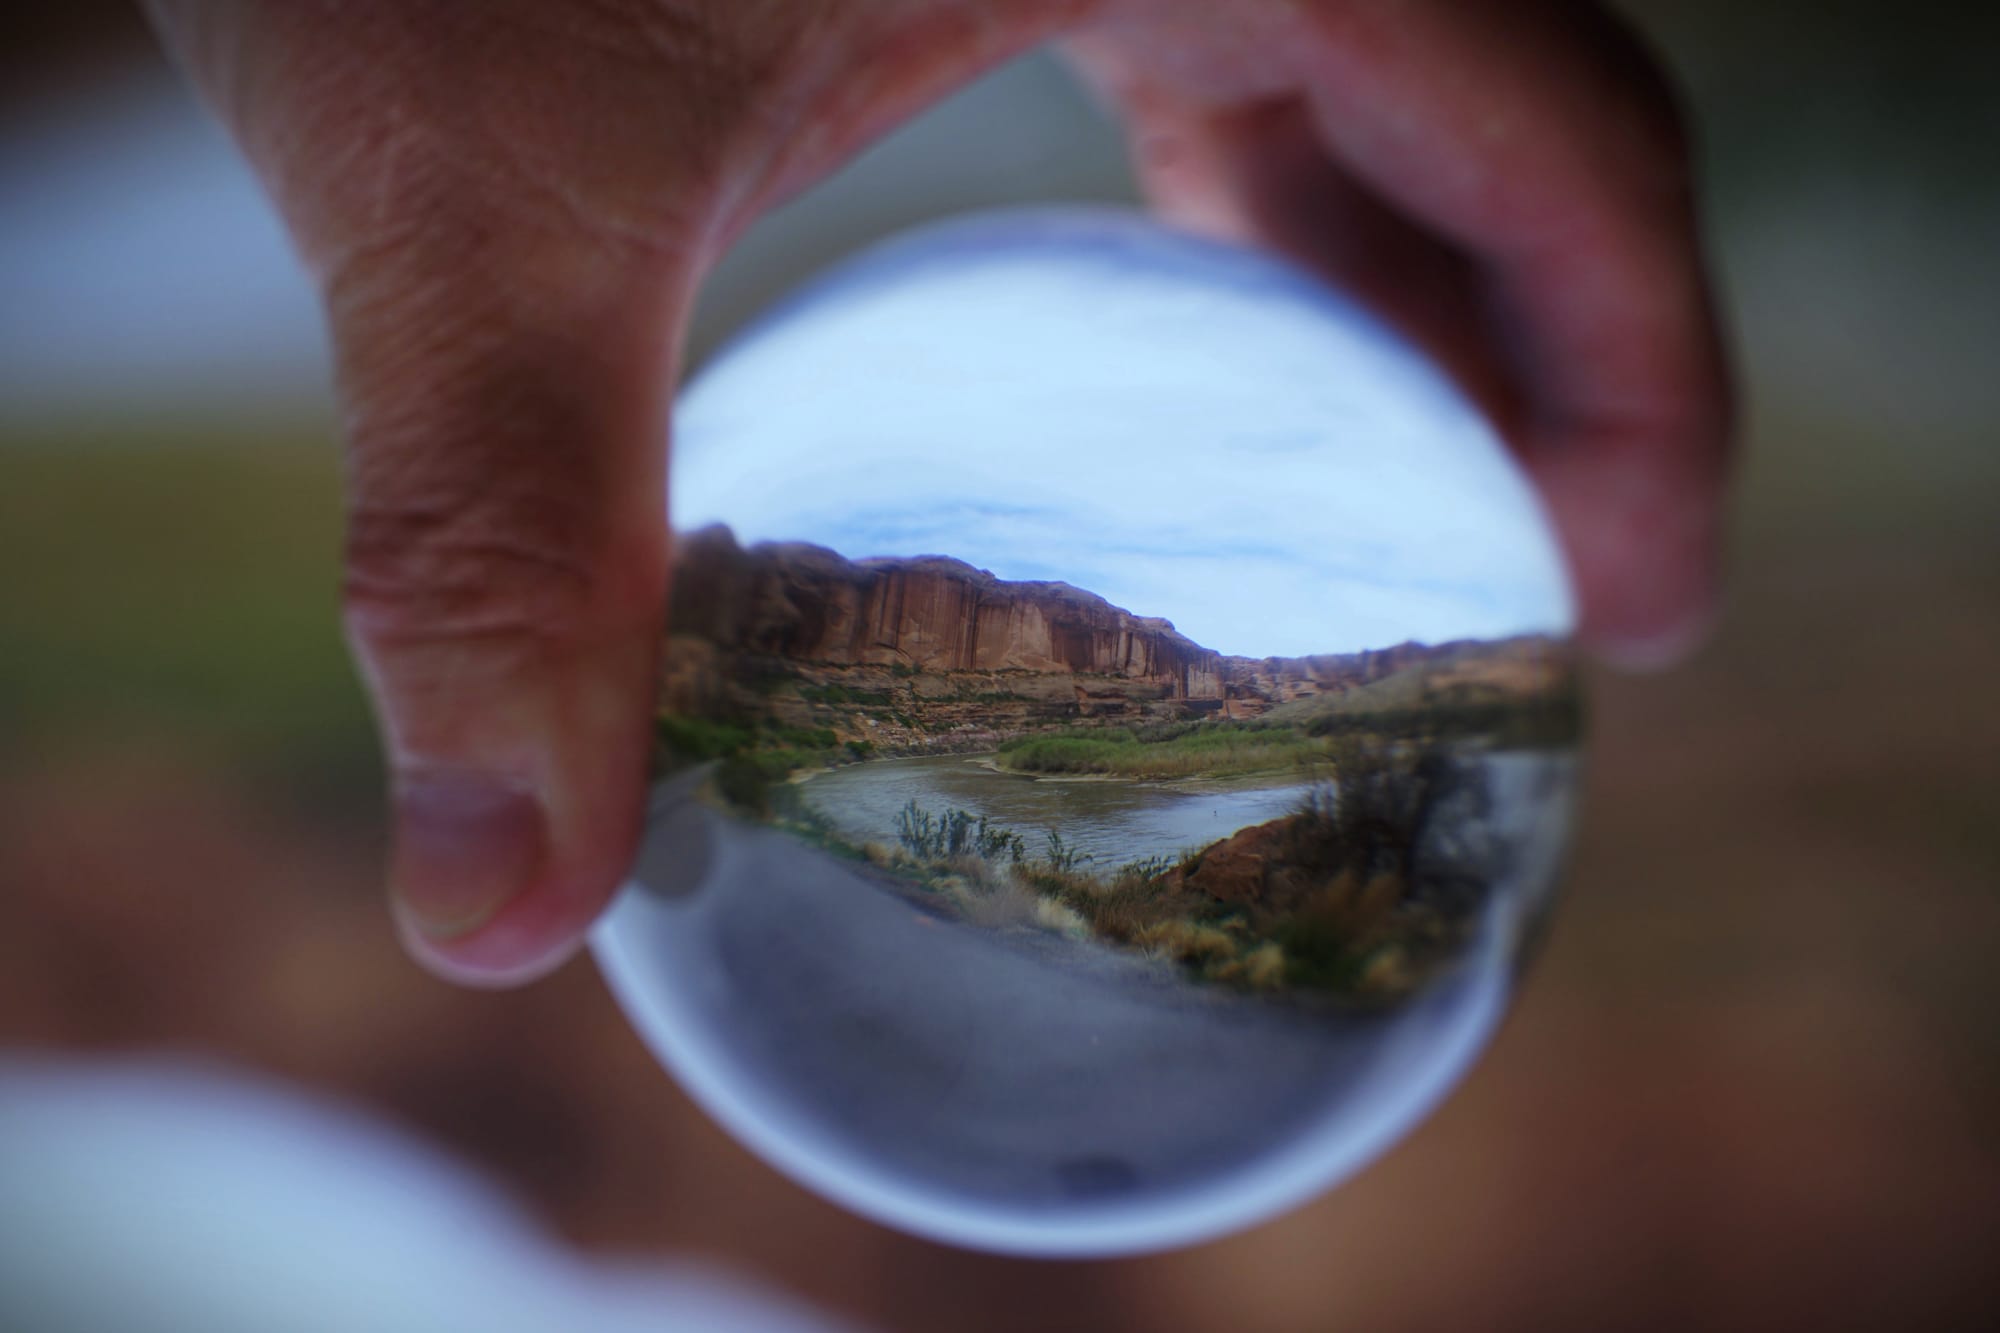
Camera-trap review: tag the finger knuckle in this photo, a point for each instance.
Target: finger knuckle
(443, 571)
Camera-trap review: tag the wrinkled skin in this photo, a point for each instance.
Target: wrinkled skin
(509, 206)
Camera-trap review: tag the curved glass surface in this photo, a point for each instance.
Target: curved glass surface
(1117, 734)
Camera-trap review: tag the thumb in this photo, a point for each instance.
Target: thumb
(506, 212)
(506, 388)
(502, 213)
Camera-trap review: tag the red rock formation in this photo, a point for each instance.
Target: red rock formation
(930, 652)
(931, 614)
(1233, 870)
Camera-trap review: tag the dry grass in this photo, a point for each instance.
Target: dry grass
(1060, 918)
(999, 903)
(1187, 942)
(1261, 968)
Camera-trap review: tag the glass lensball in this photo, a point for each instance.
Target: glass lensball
(1117, 735)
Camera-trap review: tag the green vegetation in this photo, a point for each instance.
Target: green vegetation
(1537, 723)
(1406, 707)
(694, 740)
(802, 738)
(1304, 732)
(1061, 857)
(746, 780)
(1178, 750)
(764, 677)
(752, 757)
(956, 833)
(837, 693)
(178, 580)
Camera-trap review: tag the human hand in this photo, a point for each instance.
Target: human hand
(510, 206)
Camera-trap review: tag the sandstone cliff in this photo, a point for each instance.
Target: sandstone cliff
(930, 614)
(931, 653)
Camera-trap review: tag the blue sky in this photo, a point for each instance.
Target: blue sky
(1187, 430)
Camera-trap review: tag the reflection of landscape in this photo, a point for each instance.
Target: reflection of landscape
(1311, 822)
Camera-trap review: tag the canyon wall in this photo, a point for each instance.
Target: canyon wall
(929, 652)
(930, 614)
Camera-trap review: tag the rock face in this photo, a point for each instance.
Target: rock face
(930, 653)
(930, 614)
(1233, 870)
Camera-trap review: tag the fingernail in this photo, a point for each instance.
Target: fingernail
(466, 844)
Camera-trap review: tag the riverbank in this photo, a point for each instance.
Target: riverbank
(1187, 750)
(1111, 821)
(1305, 736)
(1316, 885)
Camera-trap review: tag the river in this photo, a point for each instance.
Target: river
(1112, 822)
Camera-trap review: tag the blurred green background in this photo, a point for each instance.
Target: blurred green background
(1755, 1079)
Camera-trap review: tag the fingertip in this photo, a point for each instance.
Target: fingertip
(1649, 581)
(466, 844)
(1641, 526)
(1648, 653)
(524, 939)
(490, 887)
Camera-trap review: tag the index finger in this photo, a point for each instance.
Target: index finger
(1542, 142)
(1511, 185)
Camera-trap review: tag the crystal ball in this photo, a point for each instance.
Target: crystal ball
(1116, 737)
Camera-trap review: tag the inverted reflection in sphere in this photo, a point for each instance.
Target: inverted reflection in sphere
(1116, 734)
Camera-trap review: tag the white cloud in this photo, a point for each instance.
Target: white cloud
(1186, 430)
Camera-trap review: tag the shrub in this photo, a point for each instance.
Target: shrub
(1145, 870)
(802, 738)
(744, 784)
(917, 831)
(1317, 953)
(1060, 856)
(1261, 969)
(696, 740)
(1368, 818)
(956, 833)
(995, 843)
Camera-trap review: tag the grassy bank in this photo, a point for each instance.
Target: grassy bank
(1171, 750)
(1306, 733)
(750, 757)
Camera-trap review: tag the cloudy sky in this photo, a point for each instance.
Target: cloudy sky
(1185, 430)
